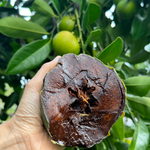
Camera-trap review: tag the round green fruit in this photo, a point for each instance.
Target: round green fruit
(67, 23)
(65, 42)
(126, 9)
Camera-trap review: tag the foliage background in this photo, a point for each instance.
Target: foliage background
(122, 44)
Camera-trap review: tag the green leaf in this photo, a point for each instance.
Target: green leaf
(127, 71)
(138, 27)
(140, 104)
(124, 70)
(76, 1)
(94, 36)
(140, 23)
(56, 5)
(20, 28)
(92, 13)
(140, 139)
(43, 8)
(106, 143)
(39, 19)
(137, 45)
(118, 65)
(139, 57)
(29, 56)
(118, 128)
(138, 85)
(129, 131)
(121, 146)
(112, 51)
(82, 5)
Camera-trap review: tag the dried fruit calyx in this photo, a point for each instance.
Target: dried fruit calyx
(81, 99)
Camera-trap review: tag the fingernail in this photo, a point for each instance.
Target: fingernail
(56, 58)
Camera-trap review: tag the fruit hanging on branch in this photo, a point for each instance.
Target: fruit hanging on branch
(67, 23)
(81, 99)
(126, 9)
(65, 42)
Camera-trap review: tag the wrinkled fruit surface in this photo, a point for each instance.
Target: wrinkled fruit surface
(81, 100)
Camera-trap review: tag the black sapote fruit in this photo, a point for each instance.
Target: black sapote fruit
(81, 99)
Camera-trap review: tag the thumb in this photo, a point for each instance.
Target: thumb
(37, 81)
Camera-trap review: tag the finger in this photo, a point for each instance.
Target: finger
(37, 80)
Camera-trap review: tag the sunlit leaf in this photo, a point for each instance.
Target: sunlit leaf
(94, 36)
(129, 131)
(139, 57)
(43, 8)
(138, 85)
(140, 139)
(118, 128)
(82, 5)
(92, 13)
(118, 65)
(19, 28)
(112, 51)
(39, 19)
(29, 56)
(140, 104)
(56, 5)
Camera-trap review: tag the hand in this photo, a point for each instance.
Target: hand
(26, 126)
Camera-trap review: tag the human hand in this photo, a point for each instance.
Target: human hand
(25, 130)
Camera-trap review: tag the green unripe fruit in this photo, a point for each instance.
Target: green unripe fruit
(65, 42)
(67, 23)
(126, 9)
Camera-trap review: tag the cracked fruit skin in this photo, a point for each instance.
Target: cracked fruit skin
(65, 42)
(81, 99)
(67, 23)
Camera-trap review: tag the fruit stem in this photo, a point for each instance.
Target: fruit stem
(52, 32)
(66, 9)
(80, 31)
(100, 46)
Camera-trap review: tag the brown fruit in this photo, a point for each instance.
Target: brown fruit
(81, 100)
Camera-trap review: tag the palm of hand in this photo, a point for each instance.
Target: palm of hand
(27, 119)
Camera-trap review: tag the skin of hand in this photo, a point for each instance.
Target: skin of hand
(25, 130)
